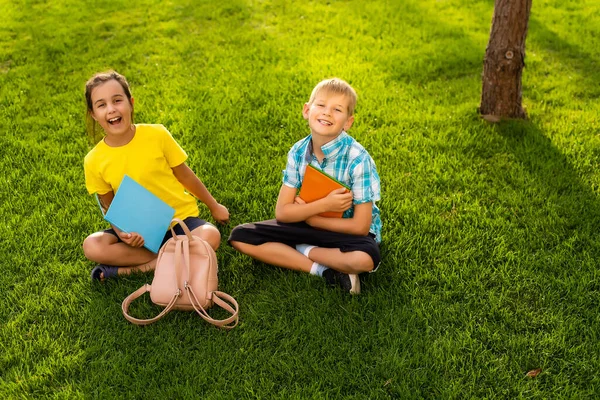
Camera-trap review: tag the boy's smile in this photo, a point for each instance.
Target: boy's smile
(328, 115)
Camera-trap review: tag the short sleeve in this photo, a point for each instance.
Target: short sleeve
(93, 181)
(291, 174)
(174, 153)
(365, 181)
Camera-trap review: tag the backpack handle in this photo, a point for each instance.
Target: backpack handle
(186, 230)
(147, 288)
(144, 289)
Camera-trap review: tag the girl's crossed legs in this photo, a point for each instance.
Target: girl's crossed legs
(107, 249)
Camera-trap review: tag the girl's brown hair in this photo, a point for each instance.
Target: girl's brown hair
(90, 85)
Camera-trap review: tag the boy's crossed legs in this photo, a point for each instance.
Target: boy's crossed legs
(338, 257)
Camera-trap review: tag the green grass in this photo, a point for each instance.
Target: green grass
(490, 236)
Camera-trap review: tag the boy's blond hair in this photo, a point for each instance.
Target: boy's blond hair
(336, 86)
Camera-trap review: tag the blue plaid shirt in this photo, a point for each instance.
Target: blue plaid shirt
(347, 161)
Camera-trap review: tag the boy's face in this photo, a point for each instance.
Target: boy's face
(328, 115)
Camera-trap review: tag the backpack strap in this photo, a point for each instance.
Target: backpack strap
(147, 288)
(138, 293)
(233, 308)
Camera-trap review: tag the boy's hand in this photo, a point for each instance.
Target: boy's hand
(339, 200)
(220, 213)
(298, 200)
(132, 239)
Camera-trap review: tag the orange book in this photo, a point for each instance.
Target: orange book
(316, 185)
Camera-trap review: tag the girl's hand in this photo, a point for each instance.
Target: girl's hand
(220, 213)
(132, 239)
(339, 200)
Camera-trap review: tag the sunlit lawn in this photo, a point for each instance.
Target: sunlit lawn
(490, 232)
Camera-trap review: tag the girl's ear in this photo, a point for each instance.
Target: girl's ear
(93, 116)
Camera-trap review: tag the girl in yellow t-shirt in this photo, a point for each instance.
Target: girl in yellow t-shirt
(148, 154)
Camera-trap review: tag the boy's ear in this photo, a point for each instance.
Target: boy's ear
(305, 110)
(349, 122)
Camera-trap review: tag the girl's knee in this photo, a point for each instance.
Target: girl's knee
(92, 247)
(210, 234)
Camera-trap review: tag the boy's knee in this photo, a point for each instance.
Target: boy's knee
(243, 248)
(239, 246)
(237, 230)
(359, 261)
(237, 236)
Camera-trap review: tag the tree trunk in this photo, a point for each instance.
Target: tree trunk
(504, 61)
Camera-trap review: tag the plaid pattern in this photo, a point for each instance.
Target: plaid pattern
(347, 161)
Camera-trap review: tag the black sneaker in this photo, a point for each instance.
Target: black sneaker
(348, 282)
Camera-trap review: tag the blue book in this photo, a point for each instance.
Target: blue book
(136, 209)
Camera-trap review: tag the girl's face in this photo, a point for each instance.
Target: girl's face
(112, 109)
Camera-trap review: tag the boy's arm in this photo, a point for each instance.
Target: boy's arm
(287, 210)
(359, 224)
(365, 189)
(194, 185)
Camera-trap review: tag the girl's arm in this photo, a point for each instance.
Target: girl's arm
(194, 185)
(105, 200)
(290, 210)
(133, 239)
(359, 224)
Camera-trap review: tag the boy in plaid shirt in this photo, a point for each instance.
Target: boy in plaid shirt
(338, 249)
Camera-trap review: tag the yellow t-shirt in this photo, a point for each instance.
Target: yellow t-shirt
(148, 159)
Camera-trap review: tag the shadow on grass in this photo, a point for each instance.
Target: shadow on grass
(575, 204)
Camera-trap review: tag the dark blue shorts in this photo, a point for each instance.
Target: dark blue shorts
(300, 232)
(191, 222)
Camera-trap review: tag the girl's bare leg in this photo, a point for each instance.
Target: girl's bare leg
(210, 234)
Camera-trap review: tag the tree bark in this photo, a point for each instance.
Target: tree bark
(504, 61)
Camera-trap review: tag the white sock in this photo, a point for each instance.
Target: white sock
(304, 248)
(317, 269)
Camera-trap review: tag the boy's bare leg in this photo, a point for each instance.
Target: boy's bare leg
(278, 254)
(288, 257)
(353, 262)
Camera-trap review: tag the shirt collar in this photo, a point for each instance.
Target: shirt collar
(330, 149)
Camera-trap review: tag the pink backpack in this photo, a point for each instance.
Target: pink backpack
(185, 278)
